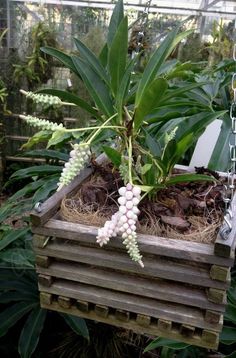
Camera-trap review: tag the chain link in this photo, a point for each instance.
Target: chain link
(228, 190)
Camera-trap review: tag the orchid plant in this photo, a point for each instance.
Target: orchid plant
(144, 122)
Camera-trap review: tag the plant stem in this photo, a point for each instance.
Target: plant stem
(89, 140)
(92, 128)
(130, 159)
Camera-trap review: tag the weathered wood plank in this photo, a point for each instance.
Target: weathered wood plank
(122, 315)
(213, 316)
(124, 282)
(42, 261)
(132, 303)
(217, 296)
(220, 273)
(45, 280)
(45, 298)
(143, 320)
(151, 330)
(148, 244)
(210, 337)
(50, 206)
(39, 240)
(64, 302)
(155, 267)
(82, 305)
(187, 330)
(101, 310)
(164, 325)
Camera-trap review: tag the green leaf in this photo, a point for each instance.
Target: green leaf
(12, 314)
(77, 324)
(31, 331)
(186, 178)
(153, 145)
(231, 355)
(154, 64)
(71, 98)
(58, 137)
(149, 100)
(13, 235)
(47, 153)
(113, 155)
(116, 17)
(118, 54)
(230, 313)
(7, 297)
(28, 189)
(165, 342)
(35, 170)
(92, 60)
(95, 86)
(103, 56)
(38, 137)
(61, 56)
(228, 335)
(45, 190)
(18, 257)
(146, 168)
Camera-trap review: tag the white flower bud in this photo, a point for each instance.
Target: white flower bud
(129, 195)
(122, 209)
(122, 191)
(129, 204)
(122, 200)
(136, 191)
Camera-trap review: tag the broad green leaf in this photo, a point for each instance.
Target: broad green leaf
(149, 100)
(179, 91)
(165, 342)
(118, 54)
(116, 17)
(230, 313)
(13, 235)
(47, 153)
(220, 156)
(154, 64)
(185, 178)
(153, 145)
(123, 89)
(103, 56)
(231, 355)
(146, 168)
(45, 190)
(18, 257)
(12, 314)
(44, 169)
(58, 137)
(96, 87)
(92, 60)
(71, 98)
(31, 331)
(38, 137)
(228, 335)
(77, 324)
(61, 56)
(9, 296)
(28, 189)
(113, 155)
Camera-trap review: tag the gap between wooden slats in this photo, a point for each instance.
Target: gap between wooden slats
(120, 261)
(180, 249)
(123, 282)
(147, 306)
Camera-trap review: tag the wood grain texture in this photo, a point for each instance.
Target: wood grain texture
(155, 267)
(45, 280)
(64, 302)
(42, 261)
(220, 273)
(132, 303)
(213, 316)
(148, 244)
(217, 296)
(187, 330)
(151, 330)
(123, 282)
(143, 320)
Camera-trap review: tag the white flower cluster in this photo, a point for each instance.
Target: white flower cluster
(124, 222)
(44, 99)
(42, 123)
(78, 156)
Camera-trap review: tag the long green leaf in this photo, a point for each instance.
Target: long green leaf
(165, 342)
(28, 189)
(47, 153)
(186, 178)
(71, 98)
(35, 170)
(154, 64)
(149, 100)
(31, 331)
(96, 87)
(61, 56)
(92, 60)
(18, 257)
(39, 137)
(77, 324)
(12, 314)
(113, 155)
(45, 190)
(13, 235)
(116, 18)
(58, 136)
(7, 297)
(118, 54)
(228, 335)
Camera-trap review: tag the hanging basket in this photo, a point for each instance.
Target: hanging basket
(179, 294)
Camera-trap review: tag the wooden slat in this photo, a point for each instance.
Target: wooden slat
(217, 296)
(150, 307)
(148, 244)
(220, 273)
(155, 267)
(151, 330)
(146, 287)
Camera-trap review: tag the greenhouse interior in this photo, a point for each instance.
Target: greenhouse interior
(117, 179)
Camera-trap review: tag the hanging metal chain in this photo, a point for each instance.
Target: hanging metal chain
(229, 187)
(142, 27)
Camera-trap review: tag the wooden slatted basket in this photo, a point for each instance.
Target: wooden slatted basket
(179, 294)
